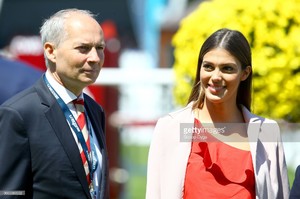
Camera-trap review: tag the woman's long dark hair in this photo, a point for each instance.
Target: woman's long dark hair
(237, 45)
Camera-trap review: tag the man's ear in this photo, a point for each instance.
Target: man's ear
(50, 51)
(246, 72)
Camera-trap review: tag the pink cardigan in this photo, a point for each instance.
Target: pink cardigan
(168, 157)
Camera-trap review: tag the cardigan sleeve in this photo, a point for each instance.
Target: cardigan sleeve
(276, 158)
(283, 182)
(153, 167)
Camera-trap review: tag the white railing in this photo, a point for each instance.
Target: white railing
(116, 76)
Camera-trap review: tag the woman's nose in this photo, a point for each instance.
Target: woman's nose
(217, 75)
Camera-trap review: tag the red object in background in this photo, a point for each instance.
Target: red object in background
(37, 61)
(28, 49)
(110, 30)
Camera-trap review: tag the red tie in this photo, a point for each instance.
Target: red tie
(79, 105)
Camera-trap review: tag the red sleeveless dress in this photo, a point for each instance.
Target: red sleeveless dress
(218, 170)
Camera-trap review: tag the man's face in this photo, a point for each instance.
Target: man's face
(80, 56)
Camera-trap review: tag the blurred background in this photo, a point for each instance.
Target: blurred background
(150, 58)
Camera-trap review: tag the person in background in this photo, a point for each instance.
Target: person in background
(215, 147)
(52, 134)
(295, 190)
(15, 76)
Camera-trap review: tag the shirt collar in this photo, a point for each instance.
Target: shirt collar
(66, 95)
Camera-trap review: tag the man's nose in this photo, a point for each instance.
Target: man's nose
(94, 55)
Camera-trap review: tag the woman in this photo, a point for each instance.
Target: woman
(214, 147)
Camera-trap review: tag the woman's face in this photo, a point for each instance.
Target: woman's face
(220, 76)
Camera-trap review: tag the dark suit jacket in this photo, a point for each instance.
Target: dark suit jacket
(38, 152)
(15, 76)
(295, 191)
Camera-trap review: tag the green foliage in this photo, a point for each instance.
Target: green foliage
(272, 27)
(291, 176)
(134, 160)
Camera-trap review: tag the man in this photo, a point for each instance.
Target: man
(51, 146)
(295, 192)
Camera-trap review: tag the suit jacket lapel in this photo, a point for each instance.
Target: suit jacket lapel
(62, 130)
(99, 131)
(97, 128)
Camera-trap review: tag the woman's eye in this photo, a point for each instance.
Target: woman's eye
(207, 67)
(228, 68)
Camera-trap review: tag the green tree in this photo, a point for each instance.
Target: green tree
(272, 28)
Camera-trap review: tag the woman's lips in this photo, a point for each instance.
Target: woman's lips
(215, 88)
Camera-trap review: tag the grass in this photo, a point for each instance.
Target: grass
(134, 159)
